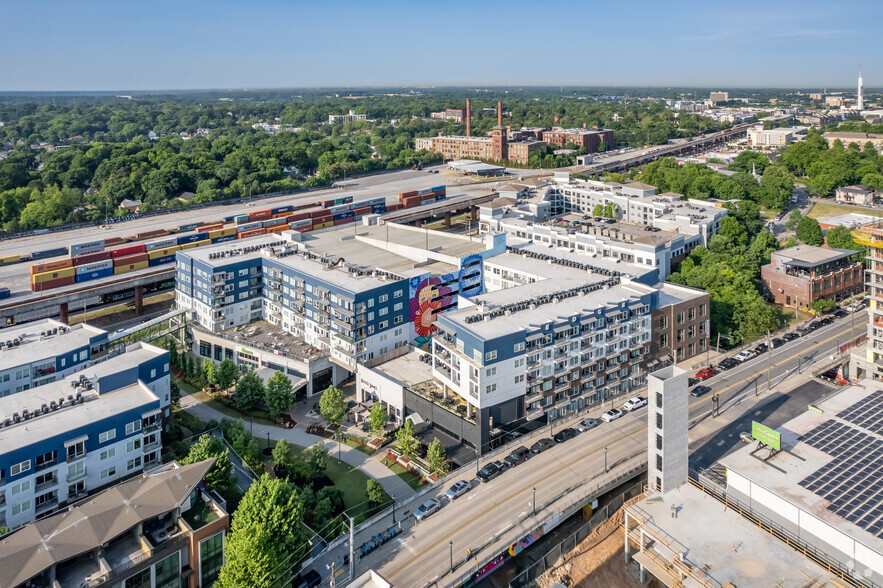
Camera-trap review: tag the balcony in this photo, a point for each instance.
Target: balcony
(47, 484)
(46, 506)
(72, 457)
(46, 464)
(76, 477)
(152, 427)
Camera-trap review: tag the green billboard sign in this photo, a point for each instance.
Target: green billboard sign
(766, 435)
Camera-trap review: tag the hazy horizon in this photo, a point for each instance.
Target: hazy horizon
(166, 46)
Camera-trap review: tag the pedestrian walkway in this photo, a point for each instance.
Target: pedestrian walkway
(368, 465)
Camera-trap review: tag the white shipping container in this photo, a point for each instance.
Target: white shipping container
(248, 226)
(301, 223)
(273, 222)
(94, 267)
(339, 209)
(161, 243)
(88, 247)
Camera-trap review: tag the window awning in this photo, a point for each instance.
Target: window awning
(562, 329)
(72, 442)
(150, 413)
(534, 337)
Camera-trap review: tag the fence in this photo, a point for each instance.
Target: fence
(528, 577)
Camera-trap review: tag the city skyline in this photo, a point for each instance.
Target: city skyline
(194, 46)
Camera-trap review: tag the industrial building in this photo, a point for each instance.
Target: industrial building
(315, 304)
(797, 276)
(65, 439)
(589, 139)
(163, 529)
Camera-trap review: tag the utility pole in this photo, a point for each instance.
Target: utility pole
(718, 343)
(352, 537)
(605, 460)
(769, 360)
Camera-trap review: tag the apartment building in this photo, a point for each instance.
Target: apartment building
(797, 276)
(860, 139)
(521, 151)
(774, 137)
(681, 325)
(41, 352)
(589, 139)
(859, 195)
(65, 439)
(349, 117)
(454, 114)
(337, 297)
(163, 529)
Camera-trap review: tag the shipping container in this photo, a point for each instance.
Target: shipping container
(87, 247)
(277, 229)
(48, 253)
(319, 213)
(240, 218)
(343, 221)
(393, 207)
(94, 275)
(301, 223)
(347, 199)
(223, 239)
(208, 228)
(259, 215)
(338, 209)
(375, 201)
(130, 267)
(438, 189)
(6, 260)
(303, 229)
(128, 250)
(91, 258)
(252, 233)
(342, 215)
(50, 284)
(164, 252)
(361, 211)
(222, 232)
(130, 259)
(407, 194)
(160, 244)
(273, 222)
(112, 241)
(195, 244)
(192, 237)
(95, 267)
(439, 197)
(379, 209)
(338, 201)
(327, 203)
(248, 227)
(161, 260)
(297, 216)
(40, 268)
(424, 191)
(281, 209)
(411, 203)
(187, 228)
(150, 234)
(229, 219)
(323, 225)
(4, 293)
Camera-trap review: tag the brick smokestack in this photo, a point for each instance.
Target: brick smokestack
(500, 113)
(468, 117)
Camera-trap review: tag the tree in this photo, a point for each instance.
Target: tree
(332, 405)
(282, 453)
(435, 455)
(175, 394)
(598, 210)
(191, 367)
(823, 305)
(227, 374)
(173, 350)
(809, 231)
(208, 370)
(793, 219)
(841, 238)
(278, 396)
(406, 439)
(377, 418)
(267, 530)
(249, 391)
(220, 477)
(318, 459)
(376, 495)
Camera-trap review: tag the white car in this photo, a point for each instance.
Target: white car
(635, 403)
(746, 355)
(611, 415)
(426, 509)
(458, 489)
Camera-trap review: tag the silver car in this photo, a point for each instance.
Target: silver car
(426, 509)
(458, 489)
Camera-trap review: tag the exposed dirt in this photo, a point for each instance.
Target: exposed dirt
(597, 561)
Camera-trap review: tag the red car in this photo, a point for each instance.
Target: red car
(705, 373)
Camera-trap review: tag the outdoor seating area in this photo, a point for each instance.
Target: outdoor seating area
(432, 391)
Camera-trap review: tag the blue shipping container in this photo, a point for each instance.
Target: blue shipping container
(347, 199)
(229, 219)
(191, 238)
(224, 239)
(49, 253)
(438, 188)
(376, 201)
(190, 227)
(4, 293)
(439, 197)
(343, 215)
(281, 209)
(378, 209)
(159, 261)
(94, 275)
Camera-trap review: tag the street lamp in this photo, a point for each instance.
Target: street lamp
(452, 555)
(534, 503)
(393, 509)
(605, 459)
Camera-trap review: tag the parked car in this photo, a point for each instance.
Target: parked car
(310, 579)
(564, 435)
(746, 437)
(490, 471)
(706, 373)
(635, 403)
(700, 391)
(776, 342)
(517, 456)
(762, 348)
(611, 415)
(692, 381)
(541, 445)
(840, 313)
(745, 355)
(727, 363)
(814, 325)
(587, 424)
(802, 331)
(426, 509)
(458, 489)
(828, 320)
(791, 336)
(855, 306)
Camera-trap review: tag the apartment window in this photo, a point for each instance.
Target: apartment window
(691, 349)
(371, 316)
(702, 344)
(663, 340)
(133, 427)
(659, 400)
(19, 488)
(691, 313)
(519, 347)
(133, 463)
(383, 311)
(702, 309)
(370, 303)
(397, 307)
(107, 436)
(658, 462)
(211, 558)
(383, 298)
(17, 509)
(702, 328)
(680, 353)
(397, 320)
(659, 442)
(109, 473)
(20, 468)
(133, 445)
(659, 420)
(490, 356)
(397, 294)
(681, 317)
(680, 335)
(45, 460)
(76, 470)
(74, 489)
(490, 372)
(490, 389)
(108, 453)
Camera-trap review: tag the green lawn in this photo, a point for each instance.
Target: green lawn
(356, 445)
(823, 209)
(413, 481)
(204, 397)
(349, 480)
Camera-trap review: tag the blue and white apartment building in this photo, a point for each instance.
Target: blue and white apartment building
(315, 304)
(98, 424)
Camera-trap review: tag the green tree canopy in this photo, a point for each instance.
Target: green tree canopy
(208, 370)
(332, 405)
(318, 459)
(809, 231)
(227, 374)
(220, 477)
(436, 456)
(376, 419)
(278, 395)
(376, 495)
(249, 391)
(282, 453)
(406, 439)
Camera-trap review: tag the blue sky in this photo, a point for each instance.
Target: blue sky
(189, 44)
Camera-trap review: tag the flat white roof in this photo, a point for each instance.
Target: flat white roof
(406, 369)
(35, 347)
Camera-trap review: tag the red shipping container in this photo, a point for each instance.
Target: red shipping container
(259, 215)
(50, 284)
(342, 221)
(405, 195)
(206, 228)
(361, 211)
(298, 216)
(149, 234)
(112, 241)
(319, 213)
(254, 233)
(137, 258)
(51, 266)
(303, 229)
(392, 207)
(91, 257)
(129, 250)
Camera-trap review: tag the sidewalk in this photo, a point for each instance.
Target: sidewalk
(368, 465)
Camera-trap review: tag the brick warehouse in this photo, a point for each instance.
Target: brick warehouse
(797, 276)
